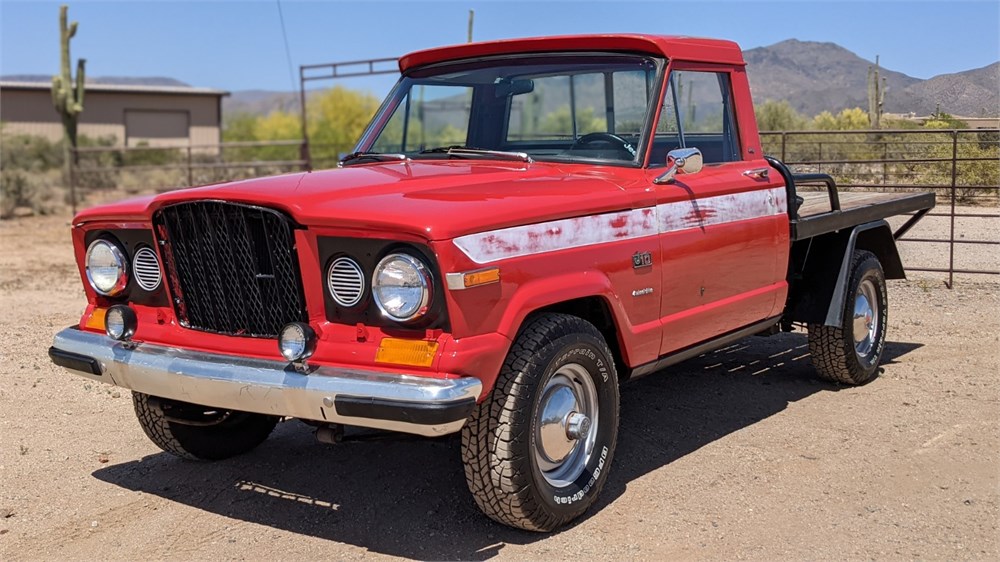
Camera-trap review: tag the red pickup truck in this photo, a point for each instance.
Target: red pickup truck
(523, 226)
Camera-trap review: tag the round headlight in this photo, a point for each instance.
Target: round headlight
(297, 341)
(120, 322)
(106, 268)
(401, 286)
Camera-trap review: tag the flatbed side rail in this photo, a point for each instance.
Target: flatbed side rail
(826, 179)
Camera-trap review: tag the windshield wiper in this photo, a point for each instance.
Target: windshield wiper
(361, 157)
(466, 151)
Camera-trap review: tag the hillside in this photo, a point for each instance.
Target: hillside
(817, 77)
(971, 93)
(812, 76)
(260, 102)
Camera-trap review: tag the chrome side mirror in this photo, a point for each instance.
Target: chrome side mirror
(681, 161)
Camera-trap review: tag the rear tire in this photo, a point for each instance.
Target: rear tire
(850, 353)
(219, 434)
(538, 449)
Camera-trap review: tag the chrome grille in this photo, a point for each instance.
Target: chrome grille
(346, 281)
(146, 267)
(231, 268)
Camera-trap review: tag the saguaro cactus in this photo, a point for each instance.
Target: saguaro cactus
(67, 96)
(876, 95)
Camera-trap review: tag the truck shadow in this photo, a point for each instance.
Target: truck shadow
(407, 497)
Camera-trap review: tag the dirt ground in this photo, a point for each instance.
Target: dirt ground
(738, 454)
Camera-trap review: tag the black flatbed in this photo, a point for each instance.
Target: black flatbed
(817, 214)
(814, 213)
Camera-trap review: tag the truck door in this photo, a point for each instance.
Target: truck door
(723, 230)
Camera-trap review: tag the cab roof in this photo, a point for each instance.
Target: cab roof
(671, 47)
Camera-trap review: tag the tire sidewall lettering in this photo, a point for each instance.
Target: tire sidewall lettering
(599, 366)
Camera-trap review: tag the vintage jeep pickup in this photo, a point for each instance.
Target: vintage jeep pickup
(523, 226)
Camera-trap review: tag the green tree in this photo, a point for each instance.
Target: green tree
(560, 122)
(941, 120)
(337, 117)
(847, 120)
(779, 116)
(240, 127)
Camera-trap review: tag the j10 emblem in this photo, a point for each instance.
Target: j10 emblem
(642, 259)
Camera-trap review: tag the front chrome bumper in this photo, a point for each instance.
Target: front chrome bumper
(406, 403)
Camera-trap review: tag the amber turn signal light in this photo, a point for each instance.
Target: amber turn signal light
(418, 353)
(457, 281)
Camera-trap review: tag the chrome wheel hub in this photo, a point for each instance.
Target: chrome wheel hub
(866, 319)
(565, 426)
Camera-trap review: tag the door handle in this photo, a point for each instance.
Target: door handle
(757, 173)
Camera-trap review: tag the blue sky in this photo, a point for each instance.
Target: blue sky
(237, 45)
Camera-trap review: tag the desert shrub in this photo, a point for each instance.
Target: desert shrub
(39, 191)
(30, 174)
(150, 156)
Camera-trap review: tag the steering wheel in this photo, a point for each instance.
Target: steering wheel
(622, 145)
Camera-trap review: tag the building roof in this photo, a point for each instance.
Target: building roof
(671, 47)
(119, 88)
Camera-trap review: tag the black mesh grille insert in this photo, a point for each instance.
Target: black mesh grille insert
(232, 268)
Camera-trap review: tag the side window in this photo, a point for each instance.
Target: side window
(698, 112)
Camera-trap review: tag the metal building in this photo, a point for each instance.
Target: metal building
(132, 114)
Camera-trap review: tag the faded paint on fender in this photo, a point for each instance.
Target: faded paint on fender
(562, 234)
(506, 243)
(721, 209)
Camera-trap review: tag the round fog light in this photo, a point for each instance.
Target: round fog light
(120, 322)
(297, 341)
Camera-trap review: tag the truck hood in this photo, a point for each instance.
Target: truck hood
(436, 200)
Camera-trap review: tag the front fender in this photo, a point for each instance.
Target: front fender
(569, 293)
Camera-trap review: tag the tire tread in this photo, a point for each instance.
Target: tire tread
(831, 348)
(499, 480)
(201, 443)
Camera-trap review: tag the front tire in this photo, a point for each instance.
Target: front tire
(538, 449)
(197, 432)
(850, 353)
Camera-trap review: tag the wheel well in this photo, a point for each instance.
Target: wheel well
(879, 241)
(818, 268)
(596, 311)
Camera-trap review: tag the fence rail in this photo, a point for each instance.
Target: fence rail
(961, 166)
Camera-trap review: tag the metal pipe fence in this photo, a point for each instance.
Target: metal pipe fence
(113, 170)
(961, 166)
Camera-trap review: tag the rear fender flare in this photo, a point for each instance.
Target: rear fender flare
(818, 289)
(876, 237)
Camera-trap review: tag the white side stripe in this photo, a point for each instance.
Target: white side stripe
(487, 247)
(495, 245)
(699, 213)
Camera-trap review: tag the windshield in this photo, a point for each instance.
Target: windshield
(574, 107)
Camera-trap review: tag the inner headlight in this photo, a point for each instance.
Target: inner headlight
(401, 286)
(106, 268)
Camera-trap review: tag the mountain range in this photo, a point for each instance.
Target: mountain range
(815, 77)
(812, 76)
